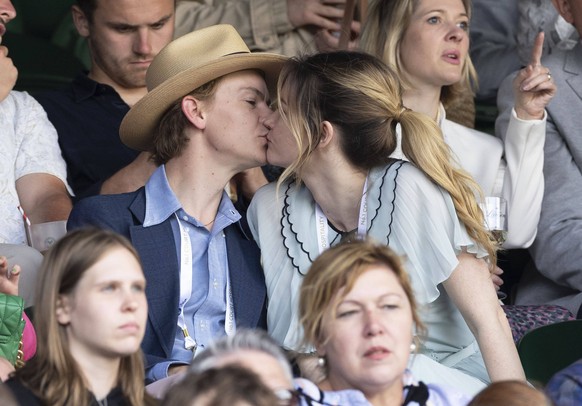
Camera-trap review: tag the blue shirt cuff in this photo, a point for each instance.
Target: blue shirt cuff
(160, 370)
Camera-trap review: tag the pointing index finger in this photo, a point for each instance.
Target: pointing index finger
(537, 50)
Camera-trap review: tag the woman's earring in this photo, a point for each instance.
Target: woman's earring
(321, 362)
(412, 347)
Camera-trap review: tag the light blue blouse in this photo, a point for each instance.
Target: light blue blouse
(408, 212)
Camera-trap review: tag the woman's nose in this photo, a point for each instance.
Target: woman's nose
(456, 33)
(373, 324)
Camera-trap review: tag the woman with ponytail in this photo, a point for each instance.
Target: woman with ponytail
(426, 42)
(334, 131)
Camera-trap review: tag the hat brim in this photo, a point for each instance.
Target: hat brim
(140, 123)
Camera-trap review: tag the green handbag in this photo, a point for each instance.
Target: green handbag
(11, 326)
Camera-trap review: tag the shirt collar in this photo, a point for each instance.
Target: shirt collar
(161, 202)
(84, 87)
(441, 115)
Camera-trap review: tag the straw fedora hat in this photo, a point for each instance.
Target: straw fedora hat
(186, 64)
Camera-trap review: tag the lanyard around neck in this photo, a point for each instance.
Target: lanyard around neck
(322, 227)
(186, 291)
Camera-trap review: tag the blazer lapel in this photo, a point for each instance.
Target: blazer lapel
(246, 278)
(161, 271)
(573, 65)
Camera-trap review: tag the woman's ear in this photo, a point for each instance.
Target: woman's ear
(192, 108)
(327, 134)
(319, 344)
(320, 350)
(63, 310)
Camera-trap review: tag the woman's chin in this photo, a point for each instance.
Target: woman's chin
(275, 160)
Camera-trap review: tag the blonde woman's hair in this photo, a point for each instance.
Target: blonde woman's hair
(339, 268)
(382, 34)
(361, 97)
(53, 374)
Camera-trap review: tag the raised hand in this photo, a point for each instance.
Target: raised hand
(326, 15)
(533, 86)
(326, 40)
(8, 277)
(496, 277)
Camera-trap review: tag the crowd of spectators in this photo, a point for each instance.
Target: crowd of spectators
(256, 216)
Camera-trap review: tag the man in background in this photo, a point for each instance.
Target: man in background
(123, 37)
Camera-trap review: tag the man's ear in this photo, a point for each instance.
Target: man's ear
(327, 134)
(80, 20)
(193, 109)
(63, 310)
(563, 7)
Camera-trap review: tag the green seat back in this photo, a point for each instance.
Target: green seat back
(548, 349)
(41, 17)
(41, 65)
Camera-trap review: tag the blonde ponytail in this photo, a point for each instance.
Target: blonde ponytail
(423, 144)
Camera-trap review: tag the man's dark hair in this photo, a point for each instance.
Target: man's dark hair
(88, 7)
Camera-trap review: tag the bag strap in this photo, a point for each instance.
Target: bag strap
(19, 356)
(346, 25)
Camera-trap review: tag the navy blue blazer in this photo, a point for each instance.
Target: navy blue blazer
(124, 213)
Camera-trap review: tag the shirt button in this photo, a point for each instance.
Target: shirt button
(185, 218)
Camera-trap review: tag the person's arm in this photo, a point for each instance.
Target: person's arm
(131, 177)
(43, 197)
(522, 125)
(40, 171)
(470, 288)
(523, 179)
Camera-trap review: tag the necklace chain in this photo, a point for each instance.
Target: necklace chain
(210, 222)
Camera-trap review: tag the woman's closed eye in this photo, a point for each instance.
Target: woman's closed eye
(390, 306)
(345, 312)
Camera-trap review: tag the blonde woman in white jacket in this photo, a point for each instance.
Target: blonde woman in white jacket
(427, 43)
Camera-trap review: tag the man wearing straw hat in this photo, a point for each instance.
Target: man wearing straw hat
(203, 120)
